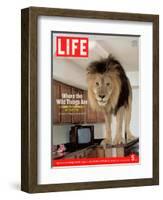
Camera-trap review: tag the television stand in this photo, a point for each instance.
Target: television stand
(119, 150)
(97, 151)
(87, 152)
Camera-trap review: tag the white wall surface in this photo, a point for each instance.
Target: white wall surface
(61, 134)
(63, 67)
(10, 98)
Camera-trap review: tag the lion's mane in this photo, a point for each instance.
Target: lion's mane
(121, 86)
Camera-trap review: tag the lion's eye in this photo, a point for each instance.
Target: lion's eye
(97, 83)
(107, 84)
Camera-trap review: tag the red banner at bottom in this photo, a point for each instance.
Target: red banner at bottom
(96, 161)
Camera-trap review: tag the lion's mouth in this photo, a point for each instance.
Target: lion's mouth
(102, 102)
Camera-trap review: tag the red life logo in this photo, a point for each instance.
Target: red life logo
(71, 46)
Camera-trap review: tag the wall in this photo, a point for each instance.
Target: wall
(61, 134)
(63, 67)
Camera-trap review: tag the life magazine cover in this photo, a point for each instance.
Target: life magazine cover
(95, 99)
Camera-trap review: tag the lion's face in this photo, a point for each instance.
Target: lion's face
(105, 79)
(102, 88)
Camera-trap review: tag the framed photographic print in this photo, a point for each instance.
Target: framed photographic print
(90, 99)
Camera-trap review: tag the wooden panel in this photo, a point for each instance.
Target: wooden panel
(91, 116)
(108, 152)
(100, 117)
(120, 152)
(72, 156)
(92, 153)
(85, 113)
(100, 152)
(65, 118)
(78, 116)
(85, 107)
(56, 95)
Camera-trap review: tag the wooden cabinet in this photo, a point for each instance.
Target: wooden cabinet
(91, 116)
(91, 153)
(80, 114)
(56, 94)
(65, 111)
(94, 116)
(88, 152)
(100, 117)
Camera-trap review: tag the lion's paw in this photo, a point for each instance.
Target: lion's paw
(118, 140)
(130, 138)
(106, 142)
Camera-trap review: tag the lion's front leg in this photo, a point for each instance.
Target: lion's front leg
(107, 140)
(119, 123)
(108, 133)
(130, 136)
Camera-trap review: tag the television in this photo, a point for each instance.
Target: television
(81, 136)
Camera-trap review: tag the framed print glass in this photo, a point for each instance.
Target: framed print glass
(90, 99)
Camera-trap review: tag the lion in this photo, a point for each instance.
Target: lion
(109, 91)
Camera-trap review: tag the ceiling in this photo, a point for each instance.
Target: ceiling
(73, 70)
(123, 48)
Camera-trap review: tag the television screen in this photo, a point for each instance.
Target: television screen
(84, 135)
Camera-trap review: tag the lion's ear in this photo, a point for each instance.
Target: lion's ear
(89, 75)
(88, 70)
(110, 57)
(91, 69)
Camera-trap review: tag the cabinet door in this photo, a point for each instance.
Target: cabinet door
(78, 110)
(100, 117)
(92, 153)
(91, 115)
(65, 109)
(94, 116)
(85, 107)
(56, 93)
(73, 114)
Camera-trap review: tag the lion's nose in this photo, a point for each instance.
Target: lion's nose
(101, 96)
